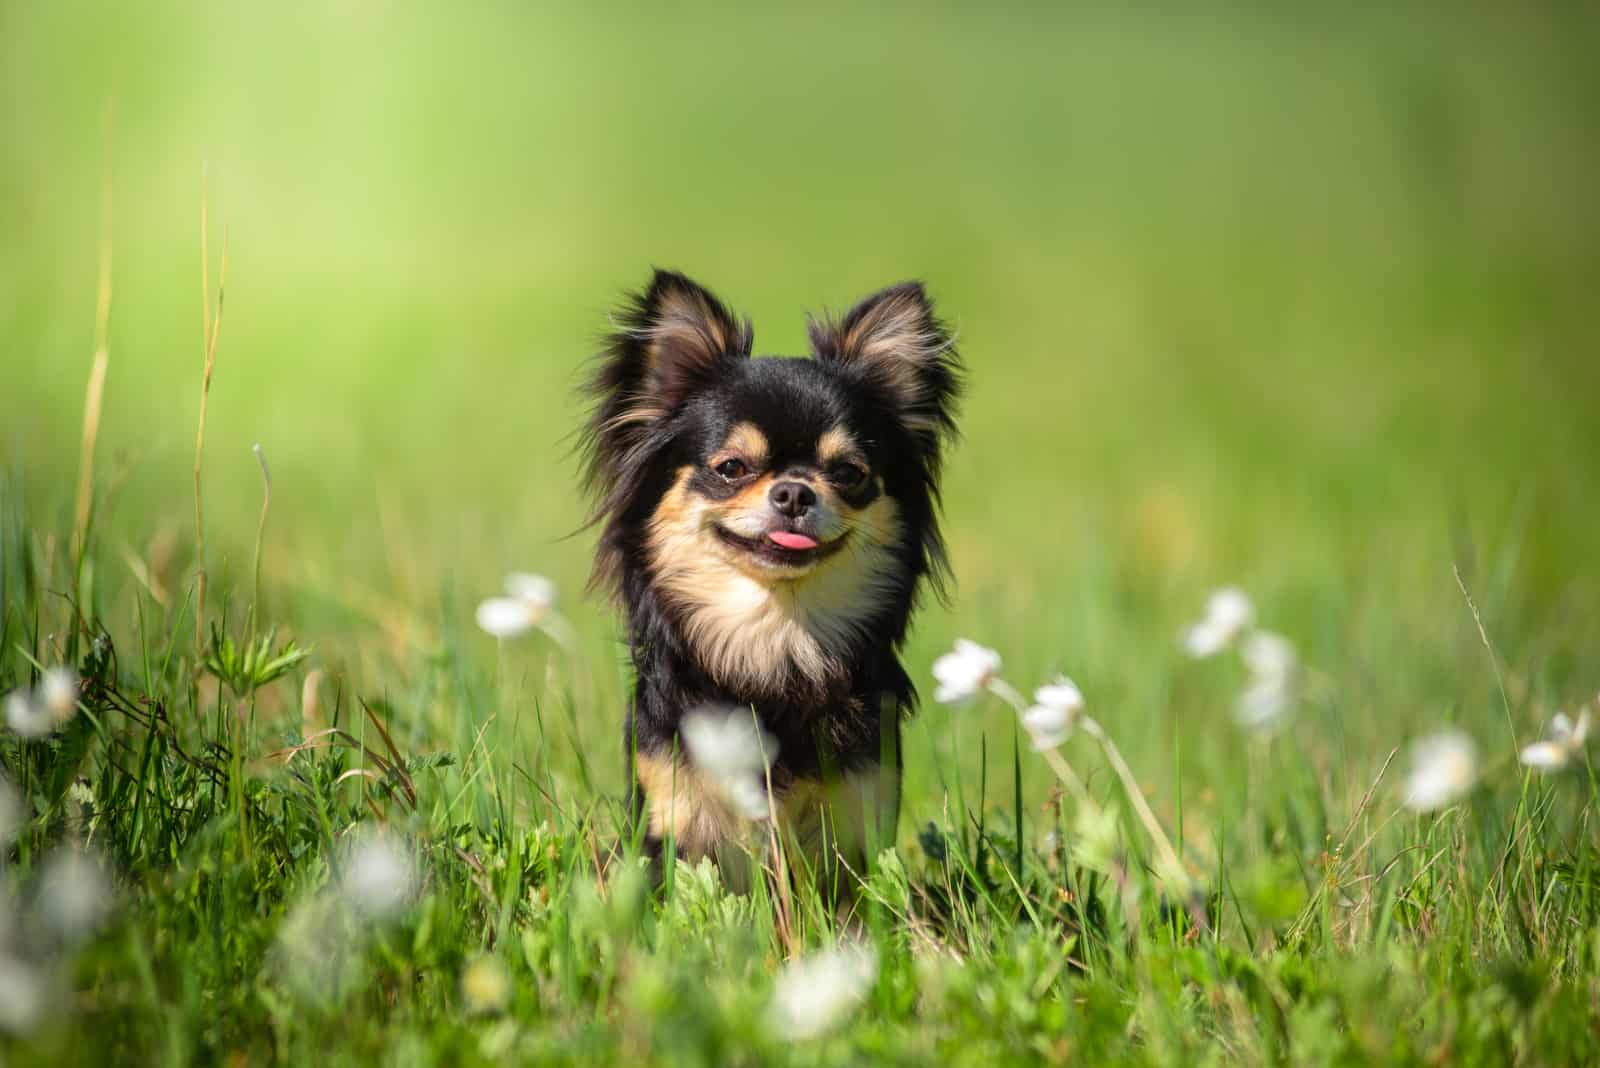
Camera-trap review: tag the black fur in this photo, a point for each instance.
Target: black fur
(665, 393)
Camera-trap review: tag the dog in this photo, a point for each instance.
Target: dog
(768, 525)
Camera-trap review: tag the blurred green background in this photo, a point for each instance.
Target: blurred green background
(1301, 301)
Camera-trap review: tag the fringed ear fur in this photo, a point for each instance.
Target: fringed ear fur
(669, 340)
(895, 343)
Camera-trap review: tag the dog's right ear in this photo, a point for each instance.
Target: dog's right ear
(669, 341)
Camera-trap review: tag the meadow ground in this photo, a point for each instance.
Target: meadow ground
(1300, 303)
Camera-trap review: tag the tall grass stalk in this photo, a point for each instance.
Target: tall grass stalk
(261, 534)
(210, 326)
(95, 391)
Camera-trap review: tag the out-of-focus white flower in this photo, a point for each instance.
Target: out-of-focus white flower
(1561, 746)
(734, 752)
(1055, 712)
(379, 876)
(1268, 656)
(1443, 768)
(22, 994)
(58, 693)
(505, 617)
(748, 796)
(536, 591)
(317, 947)
(1228, 614)
(1273, 666)
(74, 894)
(26, 714)
(485, 986)
(530, 602)
(1569, 732)
(1545, 756)
(1263, 705)
(814, 994)
(964, 673)
(727, 743)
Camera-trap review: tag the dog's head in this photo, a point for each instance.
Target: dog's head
(773, 499)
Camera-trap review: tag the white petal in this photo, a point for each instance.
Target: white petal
(727, 744)
(22, 994)
(1204, 639)
(26, 715)
(1229, 608)
(379, 876)
(1268, 655)
(74, 893)
(58, 691)
(1048, 725)
(748, 796)
(1063, 694)
(965, 672)
(1444, 767)
(1264, 704)
(538, 591)
(1580, 731)
(505, 617)
(815, 993)
(1545, 756)
(1228, 613)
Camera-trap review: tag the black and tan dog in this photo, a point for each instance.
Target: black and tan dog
(767, 524)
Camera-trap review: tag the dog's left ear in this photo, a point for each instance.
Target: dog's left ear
(895, 343)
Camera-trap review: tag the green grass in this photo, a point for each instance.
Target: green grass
(1296, 302)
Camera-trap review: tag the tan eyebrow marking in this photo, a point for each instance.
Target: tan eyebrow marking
(837, 444)
(747, 440)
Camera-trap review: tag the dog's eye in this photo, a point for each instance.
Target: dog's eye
(731, 469)
(849, 475)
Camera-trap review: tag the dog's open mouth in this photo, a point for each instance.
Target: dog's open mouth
(788, 548)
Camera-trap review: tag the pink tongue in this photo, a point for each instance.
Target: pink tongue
(790, 540)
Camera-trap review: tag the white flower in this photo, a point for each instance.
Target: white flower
(505, 617)
(1443, 768)
(1565, 741)
(1545, 756)
(529, 602)
(1268, 656)
(74, 894)
(1565, 731)
(379, 876)
(1055, 712)
(1228, 614)
(58, 693)
(734, 753)
(725, 744)
(22, 994)
(1273, 667)
(27, 715)
(748, 796)
(1263, 704)
(964, 673)
(536, 591)
(815, 993)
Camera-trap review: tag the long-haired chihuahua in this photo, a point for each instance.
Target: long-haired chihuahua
(767, 524)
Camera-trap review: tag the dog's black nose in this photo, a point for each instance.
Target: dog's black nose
(792, 498)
